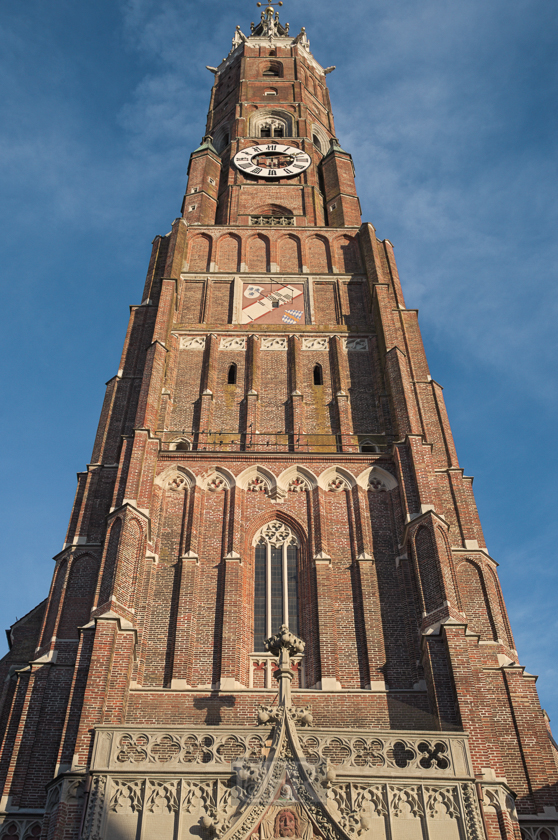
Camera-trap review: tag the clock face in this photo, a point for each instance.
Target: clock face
(272, 160)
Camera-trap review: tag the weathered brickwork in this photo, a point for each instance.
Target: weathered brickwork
(317, 423)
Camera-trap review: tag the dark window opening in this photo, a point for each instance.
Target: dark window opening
(292, 588)
(318, 376)
(270, 72)
(260, 623)
(226, 140)
(231, 379)
(276, 587)
(265, 131)
(316, 141)
(278, 131)
(368, 447)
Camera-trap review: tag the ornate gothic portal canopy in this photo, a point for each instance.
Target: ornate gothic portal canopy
(273, 781)
(285, 796)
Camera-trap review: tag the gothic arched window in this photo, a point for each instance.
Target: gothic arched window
(275, 584)
(231, 376)
(318, 375)
(274, 123)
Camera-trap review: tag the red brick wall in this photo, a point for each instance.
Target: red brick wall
(473, 596)
(221, 303)
(317, 398)
(273, 390)
(290, 259)
(325, 309)
(186, 390)
(319, 254)
(78, 600)
(229, 398)
(191, 302)
(257, 257)
(228, 253)
(199, 253)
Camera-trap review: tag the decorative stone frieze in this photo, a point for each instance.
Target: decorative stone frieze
(233, 342)
(192, 342)
(315, 343)
(367, 752)
(273, 342)
(356, 344)
(538, 832)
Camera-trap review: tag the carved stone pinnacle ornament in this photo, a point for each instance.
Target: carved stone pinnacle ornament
(284, 645)
(284, 642)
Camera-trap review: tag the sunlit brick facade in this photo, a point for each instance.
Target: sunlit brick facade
(273, 451)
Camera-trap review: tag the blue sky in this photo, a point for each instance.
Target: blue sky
(449, 110)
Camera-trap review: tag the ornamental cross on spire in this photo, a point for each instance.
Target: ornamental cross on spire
(270, 21)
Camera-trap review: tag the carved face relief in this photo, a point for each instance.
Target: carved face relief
(286, 824)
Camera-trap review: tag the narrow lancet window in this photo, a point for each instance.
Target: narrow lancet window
(275, 582)
(318, 375)
(231, 378)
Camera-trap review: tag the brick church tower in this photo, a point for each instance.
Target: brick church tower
(274, 614)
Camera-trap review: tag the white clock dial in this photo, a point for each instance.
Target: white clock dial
(272, 160)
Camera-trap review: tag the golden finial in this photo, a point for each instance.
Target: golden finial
(280, 3)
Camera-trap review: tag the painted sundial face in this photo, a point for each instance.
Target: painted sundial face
(272, 160)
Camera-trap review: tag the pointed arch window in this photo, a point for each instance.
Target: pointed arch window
(276, 582)
(231, 376)
(318, 375)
